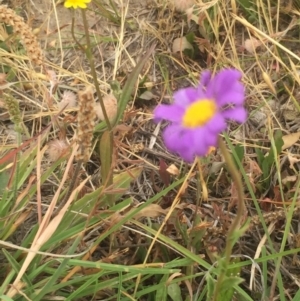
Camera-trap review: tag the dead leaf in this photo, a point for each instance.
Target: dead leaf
(53, 43)
(290, 139)
(200, 226)
(289, 179)
(68, 100)
(253, 168)
(111, 108)
(152, 211)
(173, 170)
(215, 168)
(251, 45)
(147, 95)
(180, 44)
(266, 204)
(165, 176)
(277, 196)
(292, 160)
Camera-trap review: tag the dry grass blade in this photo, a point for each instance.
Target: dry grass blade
(47, 227)
(267, 37)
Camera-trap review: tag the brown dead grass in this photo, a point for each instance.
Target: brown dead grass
(271, 75)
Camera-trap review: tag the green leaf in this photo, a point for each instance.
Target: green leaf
(174, 292)
(190, 37)
(106, 149)
(237, 234)
(210, 287)
(227, 288)
(278, 141)
(249, 9)
(48, 287)
(116, 87)
(240, 151)
(235, 271)
(266, 162)
(130, 83)
(297, 296)
(5, 298)
(4, 176)
(161, 293)
(260, 156)
(16, 267)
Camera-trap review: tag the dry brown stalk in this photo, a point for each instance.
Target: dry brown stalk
(28, 39)
(86, 123)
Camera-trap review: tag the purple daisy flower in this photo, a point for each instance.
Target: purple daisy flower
(198, 115)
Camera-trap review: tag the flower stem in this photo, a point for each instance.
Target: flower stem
(73, 33)
(89, 55)
(239, 215)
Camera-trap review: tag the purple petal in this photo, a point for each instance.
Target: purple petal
(188, 143)
(202, 140)
(171, 134)
(217, 124)
(238, 114)
(187, 153)
(234, 95)
(228, 75)
(172, 113)
(178, 140)
(225, 88)
(205, 78)
(184, 97)
(211, 139)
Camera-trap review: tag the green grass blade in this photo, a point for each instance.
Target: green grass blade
(130, 83)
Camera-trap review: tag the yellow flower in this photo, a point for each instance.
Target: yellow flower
(76, 3)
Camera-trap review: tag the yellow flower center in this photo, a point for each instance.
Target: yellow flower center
(199, 113)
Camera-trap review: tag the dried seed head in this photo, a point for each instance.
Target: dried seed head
(56, 149)
(53, 81)
(252, 44)
(68, 100)
(9, 17)
(86, 123)
(13, 109)
(111, 108)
